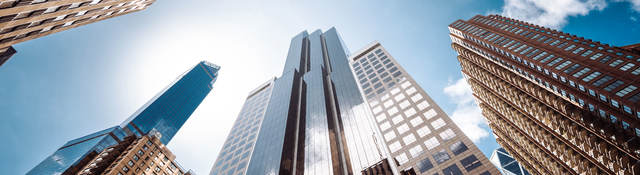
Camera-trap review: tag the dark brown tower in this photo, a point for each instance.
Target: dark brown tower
(559, 103)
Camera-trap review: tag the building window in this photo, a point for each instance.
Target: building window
(388, 103)
(424, 165)
(381, 117)
(397, 119)
(424, 131)
(415, 151)
(441, 156)
(385, 126)
(402, 158)
(399, 97)
(392, 110)
(452, 170)
(431, 143)
(447, 134)
(411, 90)
(471, 162)
(409, 112)
(403, 128)
(581, 72)
(390, 135)
(438, 123)
(395, 146)
(430, 114)
(602, 80)
(615, 63)
(591, 76)
(627, 66)
(418, 97)
(404, 104)
(377, 109)
(416, 121)
(125, 169)
(458, 148)
(626, 90)
(613, 85)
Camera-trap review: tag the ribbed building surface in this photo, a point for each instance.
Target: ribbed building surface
(558, 103)
(22, 20)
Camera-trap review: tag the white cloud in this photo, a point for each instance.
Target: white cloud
(467, 115)
(552, 13)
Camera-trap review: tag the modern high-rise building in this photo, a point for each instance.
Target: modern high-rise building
(507, 164)
(558, 103)
(314, 122)
(237, 149)
(163, 115)
(420, 137)
(22, 20)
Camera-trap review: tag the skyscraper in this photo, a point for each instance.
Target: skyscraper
(237, 149)
(22, 20)
(163, 115)
(558, 103)
(420, 137)
(507, 164)
(315, 120)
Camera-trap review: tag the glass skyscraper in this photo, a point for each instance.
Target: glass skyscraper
(315, 120)
(237, 149)
(164, 114)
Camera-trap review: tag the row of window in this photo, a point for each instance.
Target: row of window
(371, 69)
(241, 140)
(616, 51)
(170, 169)
(46, 21)
(583, 72)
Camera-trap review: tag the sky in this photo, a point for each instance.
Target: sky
(75, 82)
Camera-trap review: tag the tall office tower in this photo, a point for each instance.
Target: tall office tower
(237, 149)
(314, 120)
(22, 20)
(421, 138)
(507, 164)
(558, 103)
(163, 115)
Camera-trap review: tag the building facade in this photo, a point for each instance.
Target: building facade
(558, 103)
(419, 136)
(164, 115)
(22, 20)
(315, 121)
(136, 155)
(507, 164)
(238, 147)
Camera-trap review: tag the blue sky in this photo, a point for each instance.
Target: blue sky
(75, 82)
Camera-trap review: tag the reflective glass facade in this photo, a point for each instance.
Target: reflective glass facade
(419, 136)
(316, 121)
(168, 111)
(165, 113)
(69, 155)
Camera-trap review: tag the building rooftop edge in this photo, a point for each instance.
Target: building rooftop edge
(364, 50)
